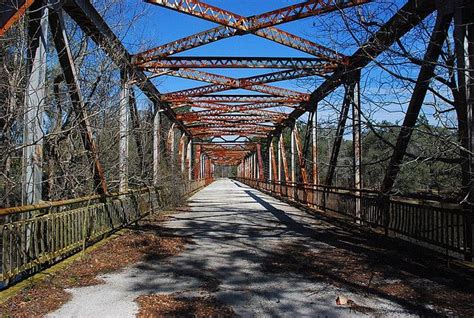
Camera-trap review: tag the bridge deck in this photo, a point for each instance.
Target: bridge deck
(238, 235)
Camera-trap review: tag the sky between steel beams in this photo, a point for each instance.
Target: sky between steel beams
(161, 25)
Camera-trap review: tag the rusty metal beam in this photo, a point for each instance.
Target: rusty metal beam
(260, 163)
(124, 132)
(283, 158)
(357, 144)
(272, 163)
(11, 11)
(254, 83)
(301, 159)
(216, 98)
(236, 25)
(178, 62)
(339, 135)
(410, 15)
(66, 60)
(170, 142)
(197, 162)
(156, 147)
(314, 147)
(241, 107)
(425, 75)
(93, 25)
(135, 118)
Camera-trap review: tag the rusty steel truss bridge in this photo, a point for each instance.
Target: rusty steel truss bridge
(221, 128)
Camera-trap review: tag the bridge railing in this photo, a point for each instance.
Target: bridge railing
(432, 223)
(38, 235)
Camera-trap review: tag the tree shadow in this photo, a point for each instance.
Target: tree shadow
(233, 248)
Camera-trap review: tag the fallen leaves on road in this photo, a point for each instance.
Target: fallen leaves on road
(174, 305)
(420, 288)
(149, 240)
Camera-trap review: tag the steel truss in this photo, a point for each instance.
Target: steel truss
(260, 25)
(216, 123)
(179, 62)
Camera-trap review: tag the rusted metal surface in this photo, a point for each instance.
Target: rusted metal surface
(260, 174)
(314, 147)
(229, 98)
(410, 15)
(11, 11)
(178, 62)
(419, 92)
(124, 132)
(283, 158)
(254, 83)
(273, 164)
(260, 25)
(300, 155)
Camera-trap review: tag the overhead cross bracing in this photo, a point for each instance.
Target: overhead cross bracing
(260, 25)
(179, 62)
(253, 115)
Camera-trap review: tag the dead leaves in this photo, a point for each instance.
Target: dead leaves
(147, 241)
(174, 305)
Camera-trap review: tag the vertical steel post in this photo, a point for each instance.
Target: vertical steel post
(251, 165)
(182, 152)
(314, 139)
(356, 142)
(197, 163)
(299, 153)
(270, 159)
(260, 162)
(255, 166)
(247, 167)
(279, 158)
(293, 154)
(34, 106)
(189, 157)
(203, 163)
(124, 132)
(284, 161)
(273, 164)
(156, 146)
(171, 145)
(203, 166)
(464, 47)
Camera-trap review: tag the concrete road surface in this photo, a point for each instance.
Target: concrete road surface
(233, 227)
